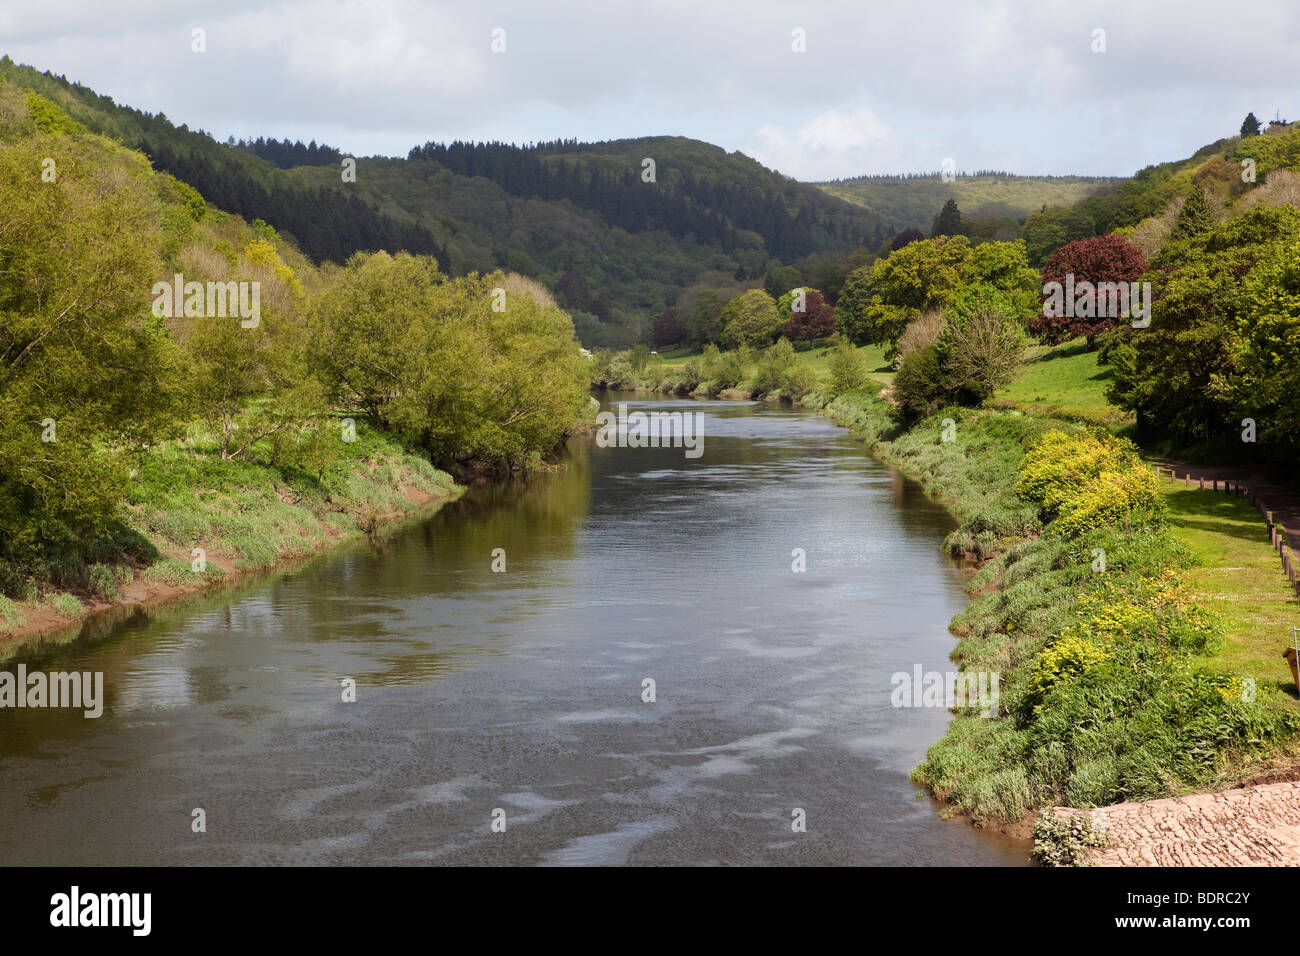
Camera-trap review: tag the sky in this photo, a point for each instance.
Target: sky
(878, 87)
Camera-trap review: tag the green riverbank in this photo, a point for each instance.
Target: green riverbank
(1139, 681)
(191, 522)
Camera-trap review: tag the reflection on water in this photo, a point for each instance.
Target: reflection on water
(522, 691)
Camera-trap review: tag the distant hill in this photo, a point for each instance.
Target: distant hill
(578, 217)
(912, 202)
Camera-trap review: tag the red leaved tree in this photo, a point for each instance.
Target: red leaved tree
(669, 328)
(1075, 268)
(816, 321)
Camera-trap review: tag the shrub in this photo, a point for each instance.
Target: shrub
(11, 615)
(799, 381)
(690, 377)
(918, 387)
(1064, 840)
(1128, 498)
(774, 366)
(65, 605)
(102, 582)
(848, 366)
(728, 369)
(981, 342)
(1089, 481)
(170, 571)
(1071, 656)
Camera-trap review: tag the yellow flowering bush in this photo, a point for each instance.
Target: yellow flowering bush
(261, 252)
(1069, 657)
(1087, 481)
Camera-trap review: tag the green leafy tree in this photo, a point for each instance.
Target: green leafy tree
(705, 316)
(982, 342)
(1043, 234)
(250, 383)
(1005, 266)
(358, 322)
(1262, 380)
(922, 275)
(853, 305)
(1180, 376)
(780, 280)
(1250, 125)
(86, 372)
(776, 367)
(918, 388)
(847, 366)
(469, 382)
(752, 319)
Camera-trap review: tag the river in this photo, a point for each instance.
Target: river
(516, 696)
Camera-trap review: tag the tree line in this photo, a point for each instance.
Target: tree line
(287, 155)
(713, 211)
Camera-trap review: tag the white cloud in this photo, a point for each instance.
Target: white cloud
(831, 144)
(992, 83)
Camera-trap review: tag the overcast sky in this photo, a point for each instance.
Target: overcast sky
(882, 86)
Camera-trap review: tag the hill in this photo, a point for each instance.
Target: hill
(912, 202)
(581, 218)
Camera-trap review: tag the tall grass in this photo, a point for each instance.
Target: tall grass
(259, 512)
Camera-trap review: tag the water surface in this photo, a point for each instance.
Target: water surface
(521, 691)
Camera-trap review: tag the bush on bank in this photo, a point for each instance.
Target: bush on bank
(1101, 697)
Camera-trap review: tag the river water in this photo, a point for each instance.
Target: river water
(517, 696)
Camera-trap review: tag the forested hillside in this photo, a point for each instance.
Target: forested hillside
(327, 223)
(583, 216)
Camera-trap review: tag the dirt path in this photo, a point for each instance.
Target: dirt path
(1251, 826)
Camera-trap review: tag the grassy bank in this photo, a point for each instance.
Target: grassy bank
(814, 358)
(1156, 676)
(243, 516)
(1065, 382)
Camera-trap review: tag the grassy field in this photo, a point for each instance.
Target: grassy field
(1241, 577)
(1064, 380)
(815, 359)
(913, 203)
